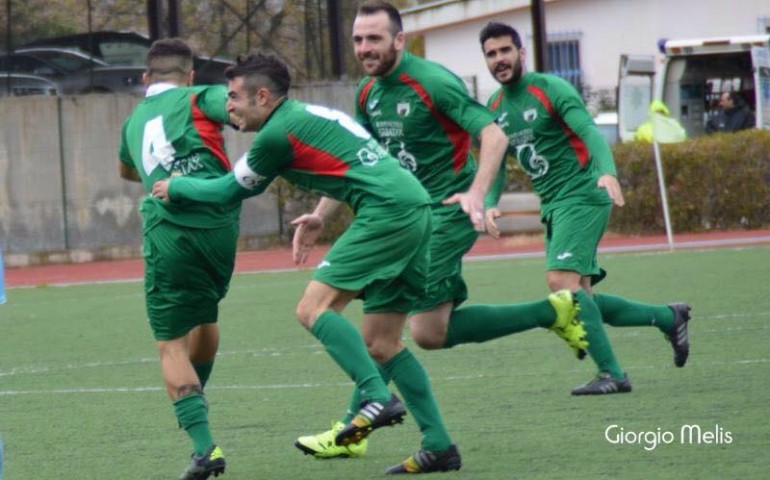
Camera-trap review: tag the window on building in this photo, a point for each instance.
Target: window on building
(563, 57)
(763, 25)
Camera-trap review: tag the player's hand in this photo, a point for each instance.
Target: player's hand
(160, 190)
(472, 203)
(492, 215)
(309, 228)
(610, 183)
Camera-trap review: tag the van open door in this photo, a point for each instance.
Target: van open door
(696, 72)
(635, 90)
(761, 59)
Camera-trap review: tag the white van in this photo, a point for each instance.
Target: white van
(690, 77)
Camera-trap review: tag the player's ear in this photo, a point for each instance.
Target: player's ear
(399, 41)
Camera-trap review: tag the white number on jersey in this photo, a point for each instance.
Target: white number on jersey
(156, 149)
(342, 118)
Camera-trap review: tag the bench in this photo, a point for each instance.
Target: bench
(520, 213)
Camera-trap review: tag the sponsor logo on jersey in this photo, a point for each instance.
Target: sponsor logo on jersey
(529, 115)
(502, 120)
(323, 264)
(403, 109)
(563, 256)
(373, 103)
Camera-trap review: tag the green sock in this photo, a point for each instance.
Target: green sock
(599, 347)
(620, 312)
(413, 383)
(345, 345)
(191, 413)
(355, 400)
(204, 371)
(479, 323)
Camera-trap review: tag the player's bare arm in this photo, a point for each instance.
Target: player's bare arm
(493, 146)
(492, 214)
(309, 228)
(160, 190)
(610, 183)
(129, 173)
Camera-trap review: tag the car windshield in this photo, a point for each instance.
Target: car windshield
(65, 61)
(124, 53)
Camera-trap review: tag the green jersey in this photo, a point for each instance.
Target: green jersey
(320, 150)
(178, 131)
(555, 141)
(422, 114)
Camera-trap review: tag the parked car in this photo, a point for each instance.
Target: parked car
(18, 84)
(130, 48)
(607, 123)
(73, 71)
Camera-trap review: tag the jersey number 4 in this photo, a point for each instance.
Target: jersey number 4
(156, 149)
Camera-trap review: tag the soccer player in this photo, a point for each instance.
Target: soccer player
(423, 115)
(572, 170)
(382, 256)
(189, 250)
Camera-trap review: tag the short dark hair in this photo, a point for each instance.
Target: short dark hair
(371, 7)
(169, 56)
(497, 29)
(261, 70)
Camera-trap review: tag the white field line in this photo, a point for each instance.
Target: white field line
(317, 349)
(296, 386)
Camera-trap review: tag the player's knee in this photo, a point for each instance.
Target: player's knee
(559, 281)
(306, 314)
(382, 349)
(425, 338)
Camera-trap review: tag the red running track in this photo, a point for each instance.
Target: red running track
(280, 259)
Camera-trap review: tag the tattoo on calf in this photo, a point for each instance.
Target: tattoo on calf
(188, 389)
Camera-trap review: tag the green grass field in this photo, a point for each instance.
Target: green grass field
(81, 396)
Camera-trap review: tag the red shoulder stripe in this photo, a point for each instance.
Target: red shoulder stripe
(460, 139)
(364, 93)
(210, 133)
(312, 159)
(578, 145)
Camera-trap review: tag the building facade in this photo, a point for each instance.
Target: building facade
(585, 37)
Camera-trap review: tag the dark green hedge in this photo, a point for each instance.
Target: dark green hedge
(717, 182)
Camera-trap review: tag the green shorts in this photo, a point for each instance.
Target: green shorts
(452, 237)
(384, 254)
(187, 273)
(572, 235)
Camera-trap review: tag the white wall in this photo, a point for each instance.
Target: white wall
(609, 28)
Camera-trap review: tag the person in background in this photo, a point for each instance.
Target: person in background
(660, 126)
(734, 114)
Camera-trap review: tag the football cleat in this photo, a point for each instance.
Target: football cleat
(371, 416)
(426, 461)
(604, 384)
(323, 446)
(680, 340)
(567, 325)
(203, 466)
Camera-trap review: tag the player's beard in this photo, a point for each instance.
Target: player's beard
(387, 60)
(516, 72)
